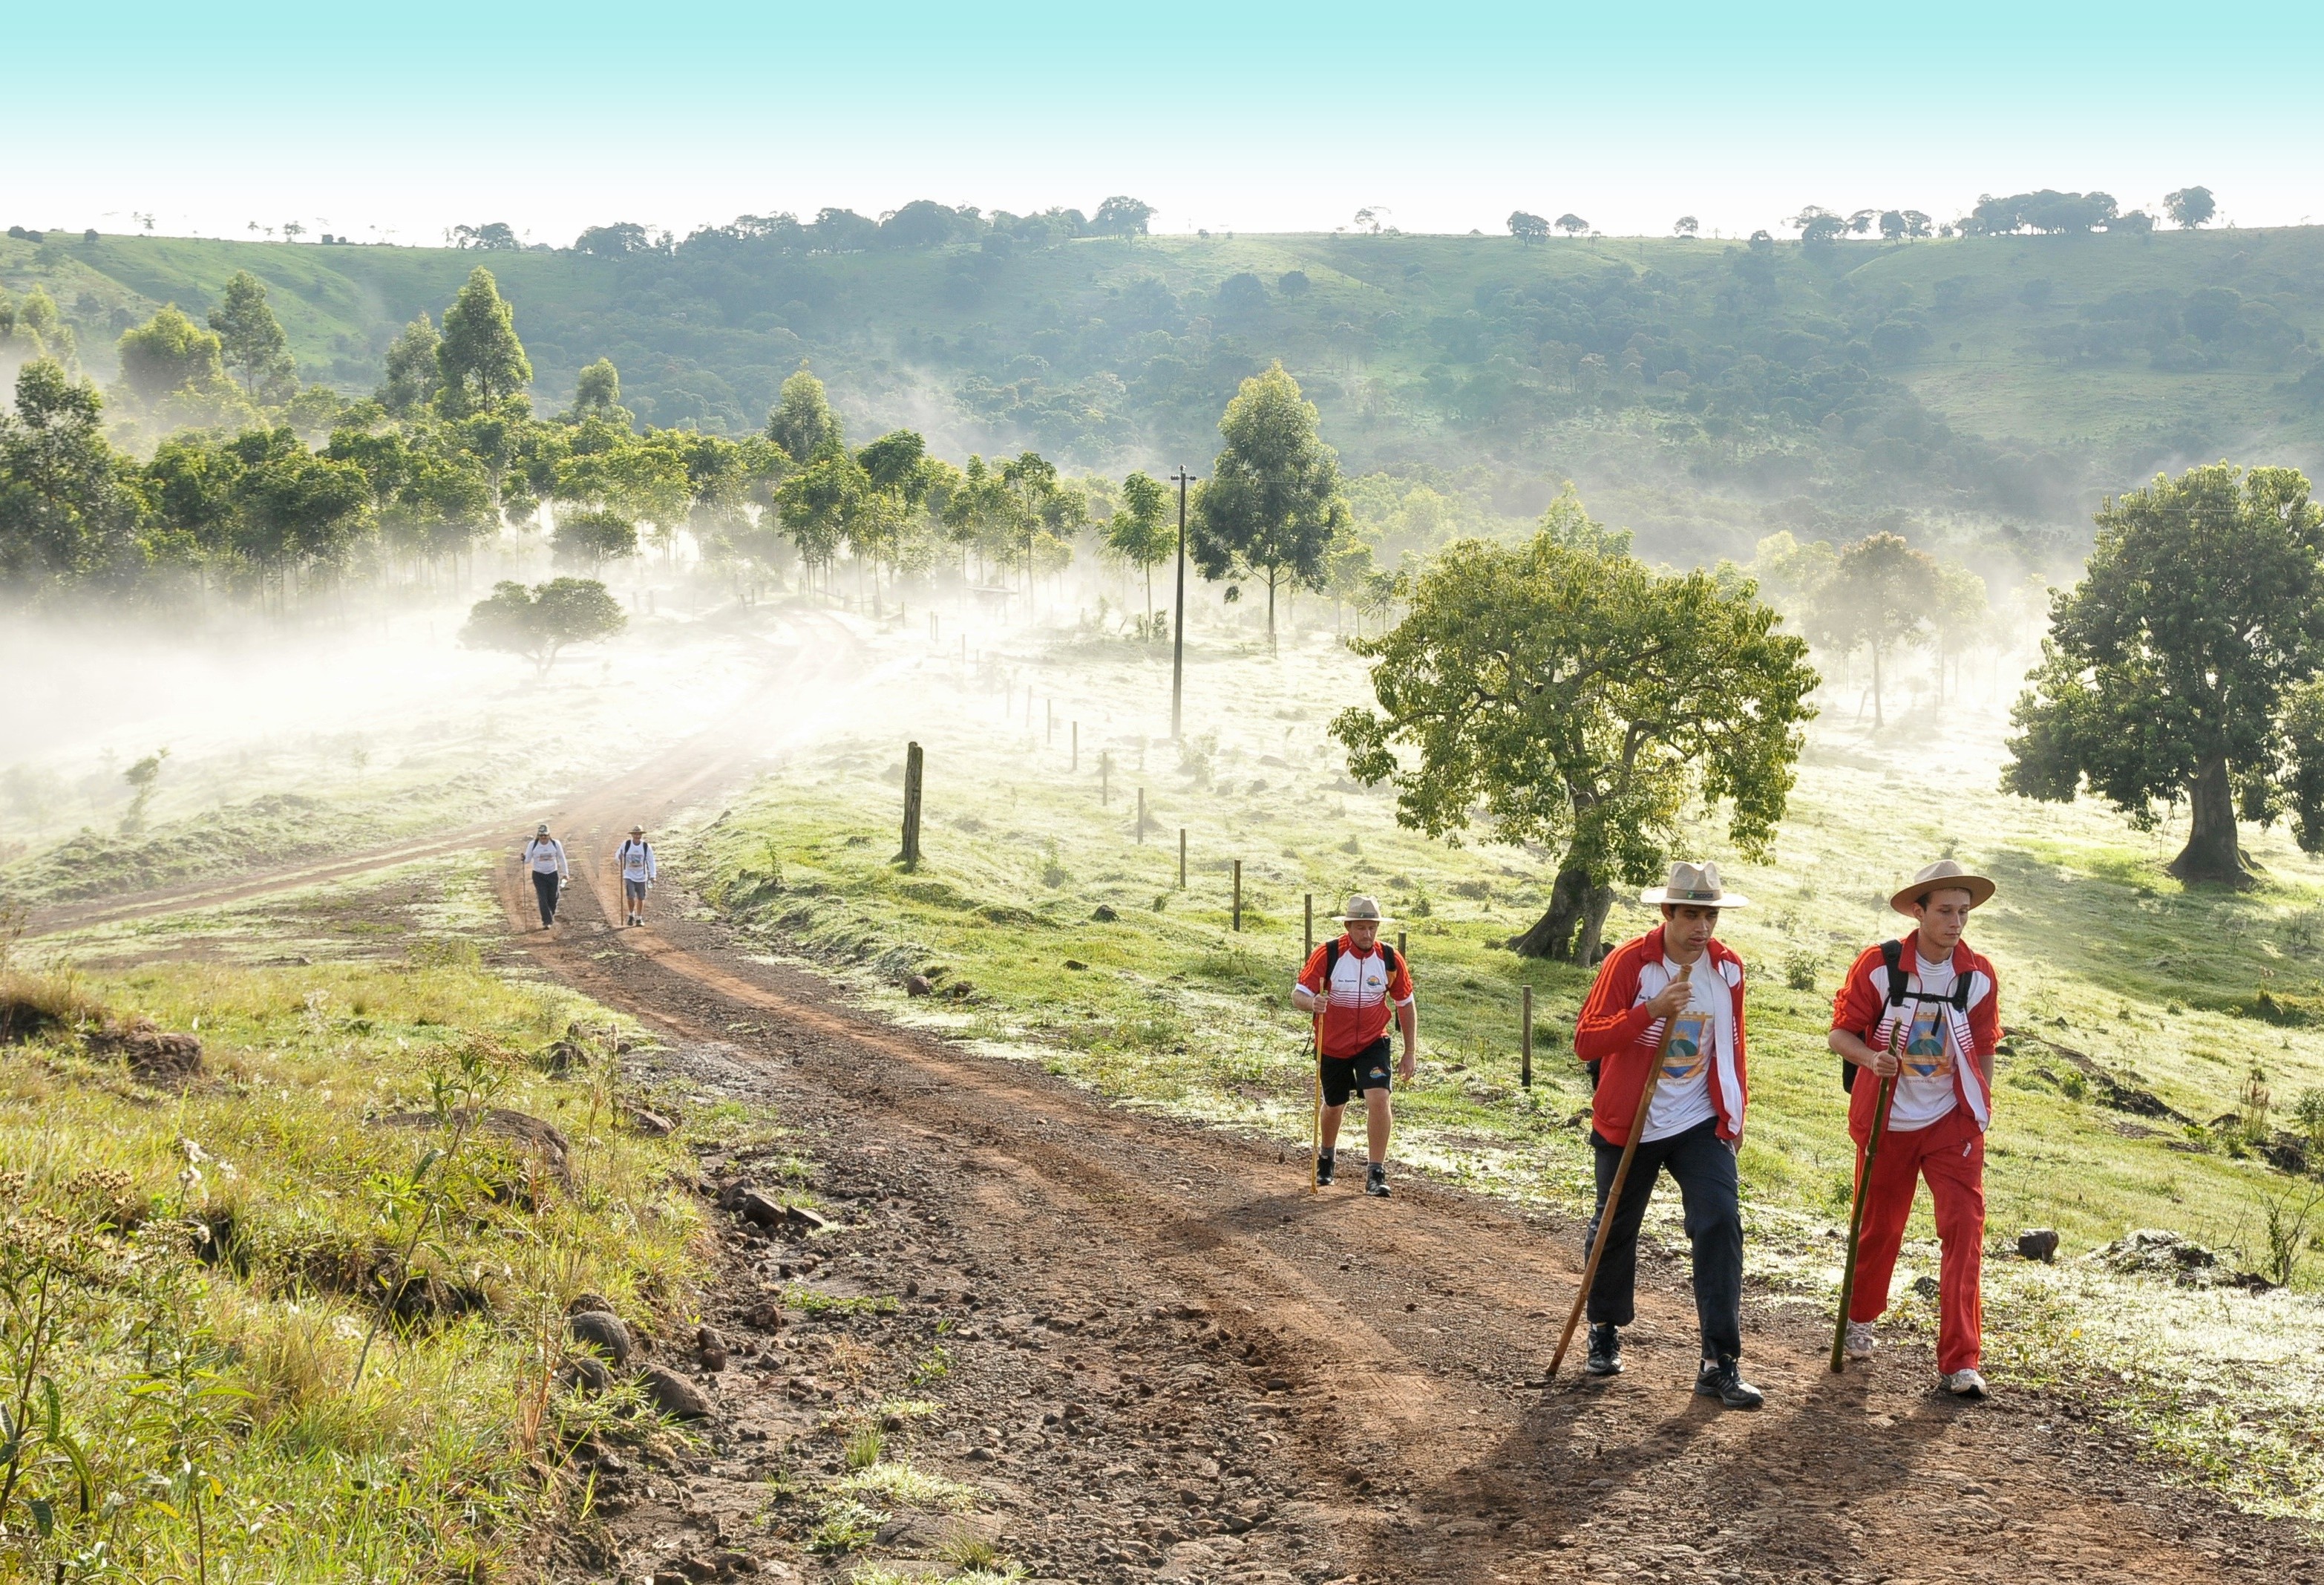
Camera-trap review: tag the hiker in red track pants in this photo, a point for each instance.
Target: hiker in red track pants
(1927, 1011)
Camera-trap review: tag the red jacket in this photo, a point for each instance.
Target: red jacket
(1615, 1031)
(1861, 1008)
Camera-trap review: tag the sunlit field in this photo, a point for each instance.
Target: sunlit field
(2161, 1037)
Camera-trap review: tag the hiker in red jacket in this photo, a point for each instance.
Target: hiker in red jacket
(1349, 985)
(1937, 1001)
(1693, 1128)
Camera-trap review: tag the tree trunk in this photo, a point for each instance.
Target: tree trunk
(1569, 931)
(1270, 613)
(2212, 853)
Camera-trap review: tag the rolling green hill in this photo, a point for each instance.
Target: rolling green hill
(1697, 390)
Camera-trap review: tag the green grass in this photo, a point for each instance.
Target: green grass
(1165, 1006)
(196, 1273)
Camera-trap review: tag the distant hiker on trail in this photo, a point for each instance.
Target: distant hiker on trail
(1349, 985)
(1675, 974)
(1937, 1001)
(544, 855)
(639, 871)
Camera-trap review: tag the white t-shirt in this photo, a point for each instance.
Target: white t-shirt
(638, 862)
(1683, 1098)
(1921, 1034)
(545, 854)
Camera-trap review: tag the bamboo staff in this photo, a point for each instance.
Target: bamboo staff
(1614, 1194)
(1856, 1216)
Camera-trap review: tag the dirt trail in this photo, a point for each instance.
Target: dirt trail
(818, 657)
(1359, 1368)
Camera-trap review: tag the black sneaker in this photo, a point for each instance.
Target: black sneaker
(1323, 1165)
(1605, 1351)
(1375, 1180)
(1723, 1379)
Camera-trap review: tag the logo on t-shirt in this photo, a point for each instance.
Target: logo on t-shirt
(1926, 1050)
(1690, 1041)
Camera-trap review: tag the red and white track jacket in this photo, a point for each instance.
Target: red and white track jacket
(1861, 1008)
(1615, 1031)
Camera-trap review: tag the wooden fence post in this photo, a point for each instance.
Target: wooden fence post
(1399, 946)
(1238, 894)
(1181, 858)
(1309, 951)
(1525, 1044)
(913, 761)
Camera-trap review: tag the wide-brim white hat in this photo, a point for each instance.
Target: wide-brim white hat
(1694, 886)
(1362, 909)
(1944, 875)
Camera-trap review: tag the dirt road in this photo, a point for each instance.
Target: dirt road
(1168, 1361)
(1158, 1357)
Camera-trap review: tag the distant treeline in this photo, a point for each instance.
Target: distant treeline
(448, 453)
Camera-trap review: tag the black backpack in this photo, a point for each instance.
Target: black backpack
(1892, 954)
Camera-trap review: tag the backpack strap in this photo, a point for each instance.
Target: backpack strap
(1892, 957)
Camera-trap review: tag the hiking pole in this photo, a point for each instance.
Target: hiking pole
(1856, 1223)
(1613, 1200)
(1316, 1116)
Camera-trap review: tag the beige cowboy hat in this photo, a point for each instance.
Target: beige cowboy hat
(1696, 885)
(637, 831)
(1362, 907)
(1944, 875)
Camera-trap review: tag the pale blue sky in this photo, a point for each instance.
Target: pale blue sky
(406, 120)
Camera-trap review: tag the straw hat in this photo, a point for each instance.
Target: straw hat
(1944, 875)
(1366, 908)
(637, 831)
(1694, 886)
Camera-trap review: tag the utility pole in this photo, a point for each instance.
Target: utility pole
(1178, 621)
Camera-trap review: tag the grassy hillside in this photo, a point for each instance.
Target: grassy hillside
(2162, 1039)
(1690, 381)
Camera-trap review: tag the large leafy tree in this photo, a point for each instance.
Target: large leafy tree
(480, 359)
(414, 372)
(1562, 692)
(1140, 534)
(252, 340)
(2167, 668)
(1881, 593)
(1272, 505)
(168, 353)
(70, 509)
(802, 422)
(2190, 207)
(540, 621)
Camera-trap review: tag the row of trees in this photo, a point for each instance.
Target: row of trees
(2046, 211)
(448, 453)
(921, 223)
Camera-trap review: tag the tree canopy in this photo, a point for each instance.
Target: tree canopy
(479, 358)
(802, 422)
(542, 620)
(2167, 668)
(1273, 503)
(1880, 593)
(1562, 692)
(251, 338)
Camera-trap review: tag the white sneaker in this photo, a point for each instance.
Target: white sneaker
(1859, 1339)
(1964, 1383)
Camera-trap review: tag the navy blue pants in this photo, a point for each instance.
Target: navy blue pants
(544, 891)
(1703, 1167)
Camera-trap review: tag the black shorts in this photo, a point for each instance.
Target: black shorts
(1352, 1076)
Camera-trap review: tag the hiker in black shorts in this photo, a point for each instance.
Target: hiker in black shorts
(1349, 985)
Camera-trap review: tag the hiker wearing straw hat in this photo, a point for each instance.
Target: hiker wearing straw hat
(1923, 1016)
(1349, 985)
(1662, 1032)
(639, 871)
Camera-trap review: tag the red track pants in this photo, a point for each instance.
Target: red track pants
(1950, 1154)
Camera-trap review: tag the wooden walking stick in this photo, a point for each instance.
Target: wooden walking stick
(1856, 1216)
(1315, 1118)
(1614, 1195)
